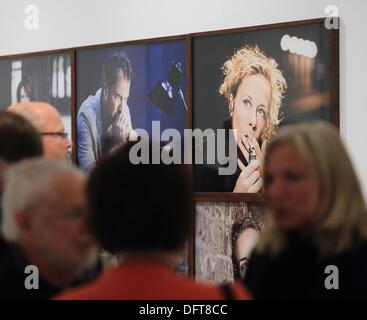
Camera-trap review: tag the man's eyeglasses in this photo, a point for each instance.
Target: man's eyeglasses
(63, 135)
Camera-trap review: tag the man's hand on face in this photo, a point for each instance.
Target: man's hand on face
(122, 126)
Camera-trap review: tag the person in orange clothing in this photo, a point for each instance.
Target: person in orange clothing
(143, 213)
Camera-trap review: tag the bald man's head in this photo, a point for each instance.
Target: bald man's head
(47, 120)
(37, 113)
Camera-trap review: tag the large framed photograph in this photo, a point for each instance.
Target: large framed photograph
(246, 84)
(125, 90)
(39, 77)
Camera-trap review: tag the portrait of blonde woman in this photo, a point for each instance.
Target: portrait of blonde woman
(314, 243)
(253, 87)
(246, 84)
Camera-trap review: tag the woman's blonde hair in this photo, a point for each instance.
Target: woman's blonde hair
(249, 61)
(342, 214)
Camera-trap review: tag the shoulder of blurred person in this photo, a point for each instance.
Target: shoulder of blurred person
(151, 280)
(298, 272)
(13, 277)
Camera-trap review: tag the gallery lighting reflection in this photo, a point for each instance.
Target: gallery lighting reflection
(299, 46)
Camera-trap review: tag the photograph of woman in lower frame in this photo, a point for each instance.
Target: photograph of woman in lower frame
(253, 82)
(246, 231)
(225, 235)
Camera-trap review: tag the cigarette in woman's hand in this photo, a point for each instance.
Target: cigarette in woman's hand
(252, 154)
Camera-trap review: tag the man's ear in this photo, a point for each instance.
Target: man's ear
(105, 90)
(23, 221)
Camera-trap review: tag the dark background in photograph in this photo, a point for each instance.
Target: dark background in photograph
(308, 79)
(150, 64)
(50, 77)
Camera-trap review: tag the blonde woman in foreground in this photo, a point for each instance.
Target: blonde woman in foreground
(314, 245)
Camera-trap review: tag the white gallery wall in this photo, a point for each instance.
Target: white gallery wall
(71, 23)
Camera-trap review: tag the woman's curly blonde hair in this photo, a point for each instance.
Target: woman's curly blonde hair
(248, 61)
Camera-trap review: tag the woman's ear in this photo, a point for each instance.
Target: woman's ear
(231, 104)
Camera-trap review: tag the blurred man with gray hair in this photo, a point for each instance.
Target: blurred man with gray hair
(44, 223)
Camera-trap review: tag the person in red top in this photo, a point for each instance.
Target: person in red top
(143, 213)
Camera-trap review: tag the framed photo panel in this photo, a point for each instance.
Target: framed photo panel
(123, 89)
(225, 235)
(39, 77)
(246, 84)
